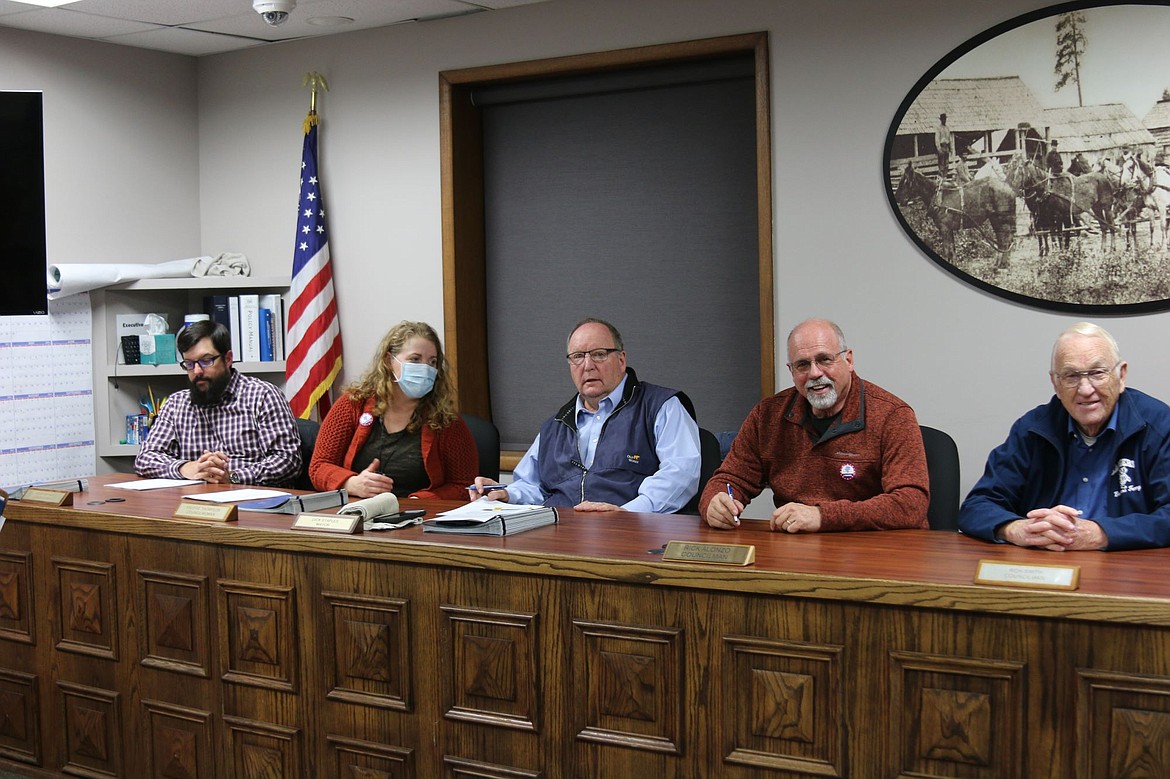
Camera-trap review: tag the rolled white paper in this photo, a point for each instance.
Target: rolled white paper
(69, 279)
(372, 508)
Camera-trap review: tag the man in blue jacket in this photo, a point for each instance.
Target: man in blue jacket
(1088, 470)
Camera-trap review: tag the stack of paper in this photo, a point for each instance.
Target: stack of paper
(486, 517)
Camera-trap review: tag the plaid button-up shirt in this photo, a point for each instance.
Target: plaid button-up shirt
(252, 424)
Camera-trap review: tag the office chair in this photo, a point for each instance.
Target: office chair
(487, 442)
(710, 458)
(308, 429)
(942, 463)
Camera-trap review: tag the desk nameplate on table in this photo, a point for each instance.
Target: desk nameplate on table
(216, 512)
(702, 552)
(1054, 577)
(329, 523)
(47, 496)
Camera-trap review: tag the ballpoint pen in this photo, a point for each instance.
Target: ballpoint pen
(731, 495)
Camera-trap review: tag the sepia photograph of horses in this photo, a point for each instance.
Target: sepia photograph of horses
(1034, 160)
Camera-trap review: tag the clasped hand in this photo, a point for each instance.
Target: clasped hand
(1056, 529)
(211, 467)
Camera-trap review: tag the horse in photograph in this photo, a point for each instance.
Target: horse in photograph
(1135, 201)
(1158, 203)
(1092, 193)
(1052, 217)
(982, 201)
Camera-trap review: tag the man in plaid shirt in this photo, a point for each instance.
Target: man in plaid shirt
(227, 427)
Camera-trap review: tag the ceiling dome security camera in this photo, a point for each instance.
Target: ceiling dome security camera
(274, 11)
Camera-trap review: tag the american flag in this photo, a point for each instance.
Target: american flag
(314, 332)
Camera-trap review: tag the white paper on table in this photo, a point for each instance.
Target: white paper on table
(66, 279)
(485, 508)
(234, 496)
(154, 484)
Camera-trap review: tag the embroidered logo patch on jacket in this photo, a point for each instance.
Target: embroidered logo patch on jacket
(1124, 473)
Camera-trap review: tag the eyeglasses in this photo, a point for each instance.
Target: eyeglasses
(1096, 376)
(823, 361)
(597, 355)
(204, 363)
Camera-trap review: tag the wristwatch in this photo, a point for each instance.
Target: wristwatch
(234, 477)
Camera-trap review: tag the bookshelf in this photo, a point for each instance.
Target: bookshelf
(118, 387)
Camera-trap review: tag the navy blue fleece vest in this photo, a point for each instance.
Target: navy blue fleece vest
(625, 451)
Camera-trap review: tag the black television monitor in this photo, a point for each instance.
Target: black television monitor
(22, 220)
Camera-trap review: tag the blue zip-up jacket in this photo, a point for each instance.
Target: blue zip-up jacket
(625, 453)
(1027, 471)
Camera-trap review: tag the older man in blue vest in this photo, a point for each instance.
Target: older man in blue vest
(620, 445)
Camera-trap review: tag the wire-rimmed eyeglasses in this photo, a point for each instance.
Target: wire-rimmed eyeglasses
(823, 362)
(597, 355)
(1096, 376)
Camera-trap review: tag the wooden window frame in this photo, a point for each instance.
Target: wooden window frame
(461, 160)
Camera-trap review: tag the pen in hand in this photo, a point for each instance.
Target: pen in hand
(487, 487)
(731, 495)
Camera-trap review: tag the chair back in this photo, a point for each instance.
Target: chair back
(487, 442)
(710, 458)
(308, 428)
(942, 463)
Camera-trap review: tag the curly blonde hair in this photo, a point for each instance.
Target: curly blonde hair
(437, 408)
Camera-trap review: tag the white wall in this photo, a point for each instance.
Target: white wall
(969, 362)
(121, 150)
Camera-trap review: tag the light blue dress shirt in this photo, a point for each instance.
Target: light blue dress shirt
(663, 492)
(1086, 482)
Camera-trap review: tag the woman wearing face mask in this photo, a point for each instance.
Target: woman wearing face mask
(397, 430)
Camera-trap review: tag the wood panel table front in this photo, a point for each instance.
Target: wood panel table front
(137, 645)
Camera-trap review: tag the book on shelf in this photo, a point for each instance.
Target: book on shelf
(486, 517)
(274, 302)
(234, 326)
(250, 328)
(265, 332)
(216, 307)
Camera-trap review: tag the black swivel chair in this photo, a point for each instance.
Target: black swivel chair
(487, 442)
(942, 463)
(710, 458)
(308, 429)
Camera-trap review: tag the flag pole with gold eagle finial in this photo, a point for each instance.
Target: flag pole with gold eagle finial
(313, 356)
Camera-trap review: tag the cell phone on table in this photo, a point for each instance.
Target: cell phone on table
(401, 515)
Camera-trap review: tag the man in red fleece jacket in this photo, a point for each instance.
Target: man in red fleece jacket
(838, 453)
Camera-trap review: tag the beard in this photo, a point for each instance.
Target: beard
(821, 402)
(210, 393)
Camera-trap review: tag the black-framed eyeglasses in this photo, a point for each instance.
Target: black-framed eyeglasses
(597, 355)
(823, 361)
(203, 362)
(1096, 376)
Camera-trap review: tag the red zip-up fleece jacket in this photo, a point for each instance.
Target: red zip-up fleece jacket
(867, 472)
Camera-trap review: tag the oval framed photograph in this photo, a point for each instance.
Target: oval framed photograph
(1033, 161)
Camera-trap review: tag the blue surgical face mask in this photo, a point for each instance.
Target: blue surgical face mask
(416, 378)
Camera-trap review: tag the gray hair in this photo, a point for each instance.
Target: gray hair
(841, 345)
(617, 337)
(1089, 330)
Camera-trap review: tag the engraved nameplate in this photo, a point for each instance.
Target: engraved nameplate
(1055, 577)
(52, 497)
(718, 554)
(216, 512)
(329, 523)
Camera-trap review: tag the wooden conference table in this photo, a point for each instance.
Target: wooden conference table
(135, 645)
